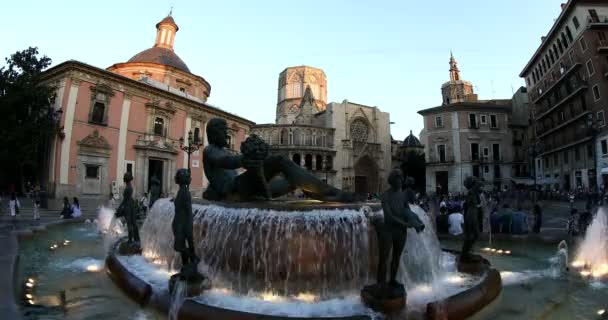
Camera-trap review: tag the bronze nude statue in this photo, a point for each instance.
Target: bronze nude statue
(471, 213)
(265, 176)
(128, 209)
(182, 233)
(392, 235)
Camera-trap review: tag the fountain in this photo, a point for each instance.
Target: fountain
(592, 255)
(281, 259)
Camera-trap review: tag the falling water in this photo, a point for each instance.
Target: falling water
(177, 299)
(420, 261)
(323, 252)
(562, 257)
(593, 252)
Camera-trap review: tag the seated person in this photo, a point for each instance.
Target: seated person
(66, 212)
(456, 221)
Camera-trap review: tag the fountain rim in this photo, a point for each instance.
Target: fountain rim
(467, 302)
(291, 205)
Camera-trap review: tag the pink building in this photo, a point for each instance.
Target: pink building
(130, 117)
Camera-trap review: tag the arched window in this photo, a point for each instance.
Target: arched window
(308, 161)
(297, 159)
(329, 163)
(283, 138)
(319, 164)
(297, 137)
(197, 134)
(98, 113)
(159, 126)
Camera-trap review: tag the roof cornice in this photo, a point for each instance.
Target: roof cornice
(73, 65)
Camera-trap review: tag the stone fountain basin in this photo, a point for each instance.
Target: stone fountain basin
(154, 294)
(257, 240)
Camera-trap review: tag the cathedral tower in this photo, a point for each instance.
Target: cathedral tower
(293, 82)
(456, 90)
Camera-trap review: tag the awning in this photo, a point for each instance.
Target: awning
(524, 181)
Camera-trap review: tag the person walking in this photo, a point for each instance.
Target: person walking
(76, 208)
(14, 205)
(538, 218)
(36, 211)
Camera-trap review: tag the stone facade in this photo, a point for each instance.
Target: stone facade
(346, 144)
(467, 138)
(119, 120)
(567, 79)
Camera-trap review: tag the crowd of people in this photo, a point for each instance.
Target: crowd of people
(497, 215)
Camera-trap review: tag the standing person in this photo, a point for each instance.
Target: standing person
(112, 201)
(143, 203)
(66, 212)
(36, 201)
(14, 205)
(76, 212)
(443, 206)
(155, 191)
(538, 218)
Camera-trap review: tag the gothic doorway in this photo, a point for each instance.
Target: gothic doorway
(366, 176)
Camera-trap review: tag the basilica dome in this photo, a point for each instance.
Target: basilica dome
(162, 56)
(411, 141)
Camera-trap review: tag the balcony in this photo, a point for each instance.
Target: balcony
(573, 140)
(565, 71)
(580, 86)
(602, 46)
(435, 160)
(561, 125)
(597, 22)
(156, 142)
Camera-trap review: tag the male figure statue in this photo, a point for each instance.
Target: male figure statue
(154, 191)
(471, 216)
(182, 221)
(282, 174)
(393, 232)
(128, 208)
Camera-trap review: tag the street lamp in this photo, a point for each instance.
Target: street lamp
(590, 125)
(194, 143)
(535, 150)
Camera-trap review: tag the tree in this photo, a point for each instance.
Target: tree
(414, 165)
(27, 118)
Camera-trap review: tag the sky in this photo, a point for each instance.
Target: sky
(389, 54)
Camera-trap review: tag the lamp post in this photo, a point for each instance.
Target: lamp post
(326, 168)
(592, 131)
(534, 151)
(194, 143)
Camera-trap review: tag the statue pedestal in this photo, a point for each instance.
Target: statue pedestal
(384, 297)
(195, 282)
(129, 248)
